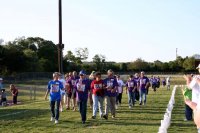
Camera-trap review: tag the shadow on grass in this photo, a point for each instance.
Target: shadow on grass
(21, 114)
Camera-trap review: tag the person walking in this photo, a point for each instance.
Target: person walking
(97, 95)
(131, 87)
(54, 89)
(82, 88)
(143, 86)
(111, 85)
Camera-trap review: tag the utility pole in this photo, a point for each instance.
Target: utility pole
(60, 46)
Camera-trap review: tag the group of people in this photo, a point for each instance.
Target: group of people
(3, 95)
(193, 83)
(104, 94)
(155, 82)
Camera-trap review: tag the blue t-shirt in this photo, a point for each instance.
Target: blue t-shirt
(55, 88)
(112, 82)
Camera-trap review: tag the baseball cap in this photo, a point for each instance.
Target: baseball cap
(82, 72)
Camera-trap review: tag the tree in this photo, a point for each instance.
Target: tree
(31, 60)
(123, 67)
(82, 53)
(99, 60)
(138, 65)
(189, 64)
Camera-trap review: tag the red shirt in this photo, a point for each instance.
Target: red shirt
(97, 87)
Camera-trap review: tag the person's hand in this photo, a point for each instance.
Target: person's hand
(188, 102)
(113, 90)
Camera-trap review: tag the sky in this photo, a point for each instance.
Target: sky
(121, 30)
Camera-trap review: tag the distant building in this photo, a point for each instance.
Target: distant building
(197, 59)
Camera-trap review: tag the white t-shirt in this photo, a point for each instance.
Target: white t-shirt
(120, 85)
(195, 89)
(168, 81)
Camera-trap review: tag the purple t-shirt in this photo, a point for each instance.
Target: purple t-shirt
(110, 82)
(143, 82)
(130, 84)
(154, 81)
(85, 87)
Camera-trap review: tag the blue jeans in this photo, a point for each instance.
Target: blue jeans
(131, 98)
(143, 93)
(82, 105)
(97, 100)
(53, 109)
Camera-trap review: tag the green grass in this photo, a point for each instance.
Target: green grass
(33, 117)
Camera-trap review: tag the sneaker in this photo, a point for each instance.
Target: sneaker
(74, 109)
(140, 103)
(56, 121)
(93, 117)
(67, 108)
(52, 119)
(61, 110)
(105, 117)
(130, 107)
(116, 106)
(113, 116)
(83, 122)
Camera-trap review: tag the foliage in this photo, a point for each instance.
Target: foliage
(35, 54)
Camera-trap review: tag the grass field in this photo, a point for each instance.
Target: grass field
(34, 117)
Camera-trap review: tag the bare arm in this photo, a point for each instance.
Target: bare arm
(191, 104)
(47, 92)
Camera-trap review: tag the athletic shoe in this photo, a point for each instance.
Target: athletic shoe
(113, 116)
(93, 117)
(52, 119)
(56, 121)
(105, 117)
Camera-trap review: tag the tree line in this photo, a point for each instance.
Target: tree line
(35, 54)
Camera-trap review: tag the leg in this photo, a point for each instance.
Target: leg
(188, 112)
(95, 104)
(83, 110)
(120, 98)
(107, 105)
(145, 96)
(140, 93)
(134, 98)
(100, 99)
(52, 106)
(129, 98)
(57, 109)
(112, 106)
